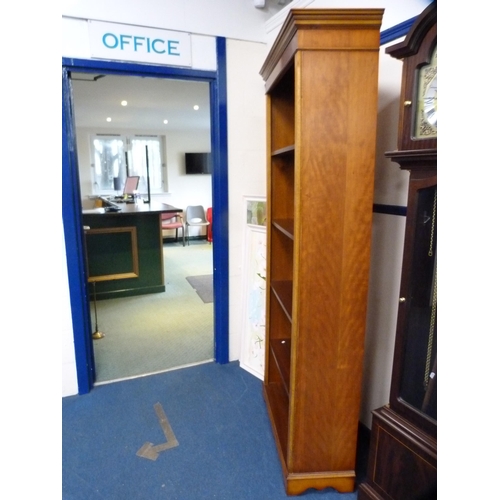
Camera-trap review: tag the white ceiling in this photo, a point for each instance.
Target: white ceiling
(150, 102)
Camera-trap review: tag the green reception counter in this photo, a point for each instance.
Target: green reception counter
(124, 250)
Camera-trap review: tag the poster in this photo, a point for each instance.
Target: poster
(254, 288)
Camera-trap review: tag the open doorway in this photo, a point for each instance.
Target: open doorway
(115, 115)
(72, 209)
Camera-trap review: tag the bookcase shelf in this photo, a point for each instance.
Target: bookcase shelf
(288, 150)
(285, 226)
(321, 84)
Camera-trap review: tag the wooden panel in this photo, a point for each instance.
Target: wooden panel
(409, 474)
(150, 275)
(403, 460)
(114, 253)
(332, 146)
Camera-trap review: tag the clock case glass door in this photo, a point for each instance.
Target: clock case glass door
(414, 378)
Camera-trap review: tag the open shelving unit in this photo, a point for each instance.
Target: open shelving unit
(322, 85)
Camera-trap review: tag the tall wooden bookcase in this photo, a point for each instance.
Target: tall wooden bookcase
(321, 82)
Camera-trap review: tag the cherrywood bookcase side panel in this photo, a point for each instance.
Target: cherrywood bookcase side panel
(334, 186)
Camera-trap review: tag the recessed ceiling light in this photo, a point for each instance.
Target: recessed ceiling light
(196, 107)
(108, 119)
(124, 103)
(165, 121)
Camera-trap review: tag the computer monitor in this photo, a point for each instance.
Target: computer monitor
(131, 184)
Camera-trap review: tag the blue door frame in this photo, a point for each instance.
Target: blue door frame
(72, 210)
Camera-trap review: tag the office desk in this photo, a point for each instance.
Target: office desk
(125, 250)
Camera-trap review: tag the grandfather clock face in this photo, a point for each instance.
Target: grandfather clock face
(418, 112)
(425, 120)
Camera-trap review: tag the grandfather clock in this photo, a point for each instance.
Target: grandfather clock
(402, 462)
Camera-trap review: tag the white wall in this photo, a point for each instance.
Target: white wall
(247, 163)
(236, 19)
(246, 139)
(184, 190)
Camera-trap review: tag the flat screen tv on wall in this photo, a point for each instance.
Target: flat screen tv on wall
(198, 163)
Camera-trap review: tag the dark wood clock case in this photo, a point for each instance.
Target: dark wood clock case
(402, 462)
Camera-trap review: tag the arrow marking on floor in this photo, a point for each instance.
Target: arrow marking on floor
(149, 450)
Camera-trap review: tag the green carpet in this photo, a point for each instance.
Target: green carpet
(160, 331)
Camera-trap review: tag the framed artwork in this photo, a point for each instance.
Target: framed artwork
(254, 287)
(256, 211)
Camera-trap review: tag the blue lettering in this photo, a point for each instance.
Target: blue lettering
(123, 40)
(154, 48)
(141, 43)
(172, 46)
(136, 42)
(104, 40)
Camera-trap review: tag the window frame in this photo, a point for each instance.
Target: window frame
(127, 139)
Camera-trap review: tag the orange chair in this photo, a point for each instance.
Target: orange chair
(174, 221)
(209, 228)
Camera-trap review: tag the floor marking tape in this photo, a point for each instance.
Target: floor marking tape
(151, 451)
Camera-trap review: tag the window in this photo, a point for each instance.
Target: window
(115, 157)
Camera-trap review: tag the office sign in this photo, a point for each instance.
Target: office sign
(135, 43)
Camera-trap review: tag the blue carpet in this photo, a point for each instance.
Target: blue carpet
(217, 413)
